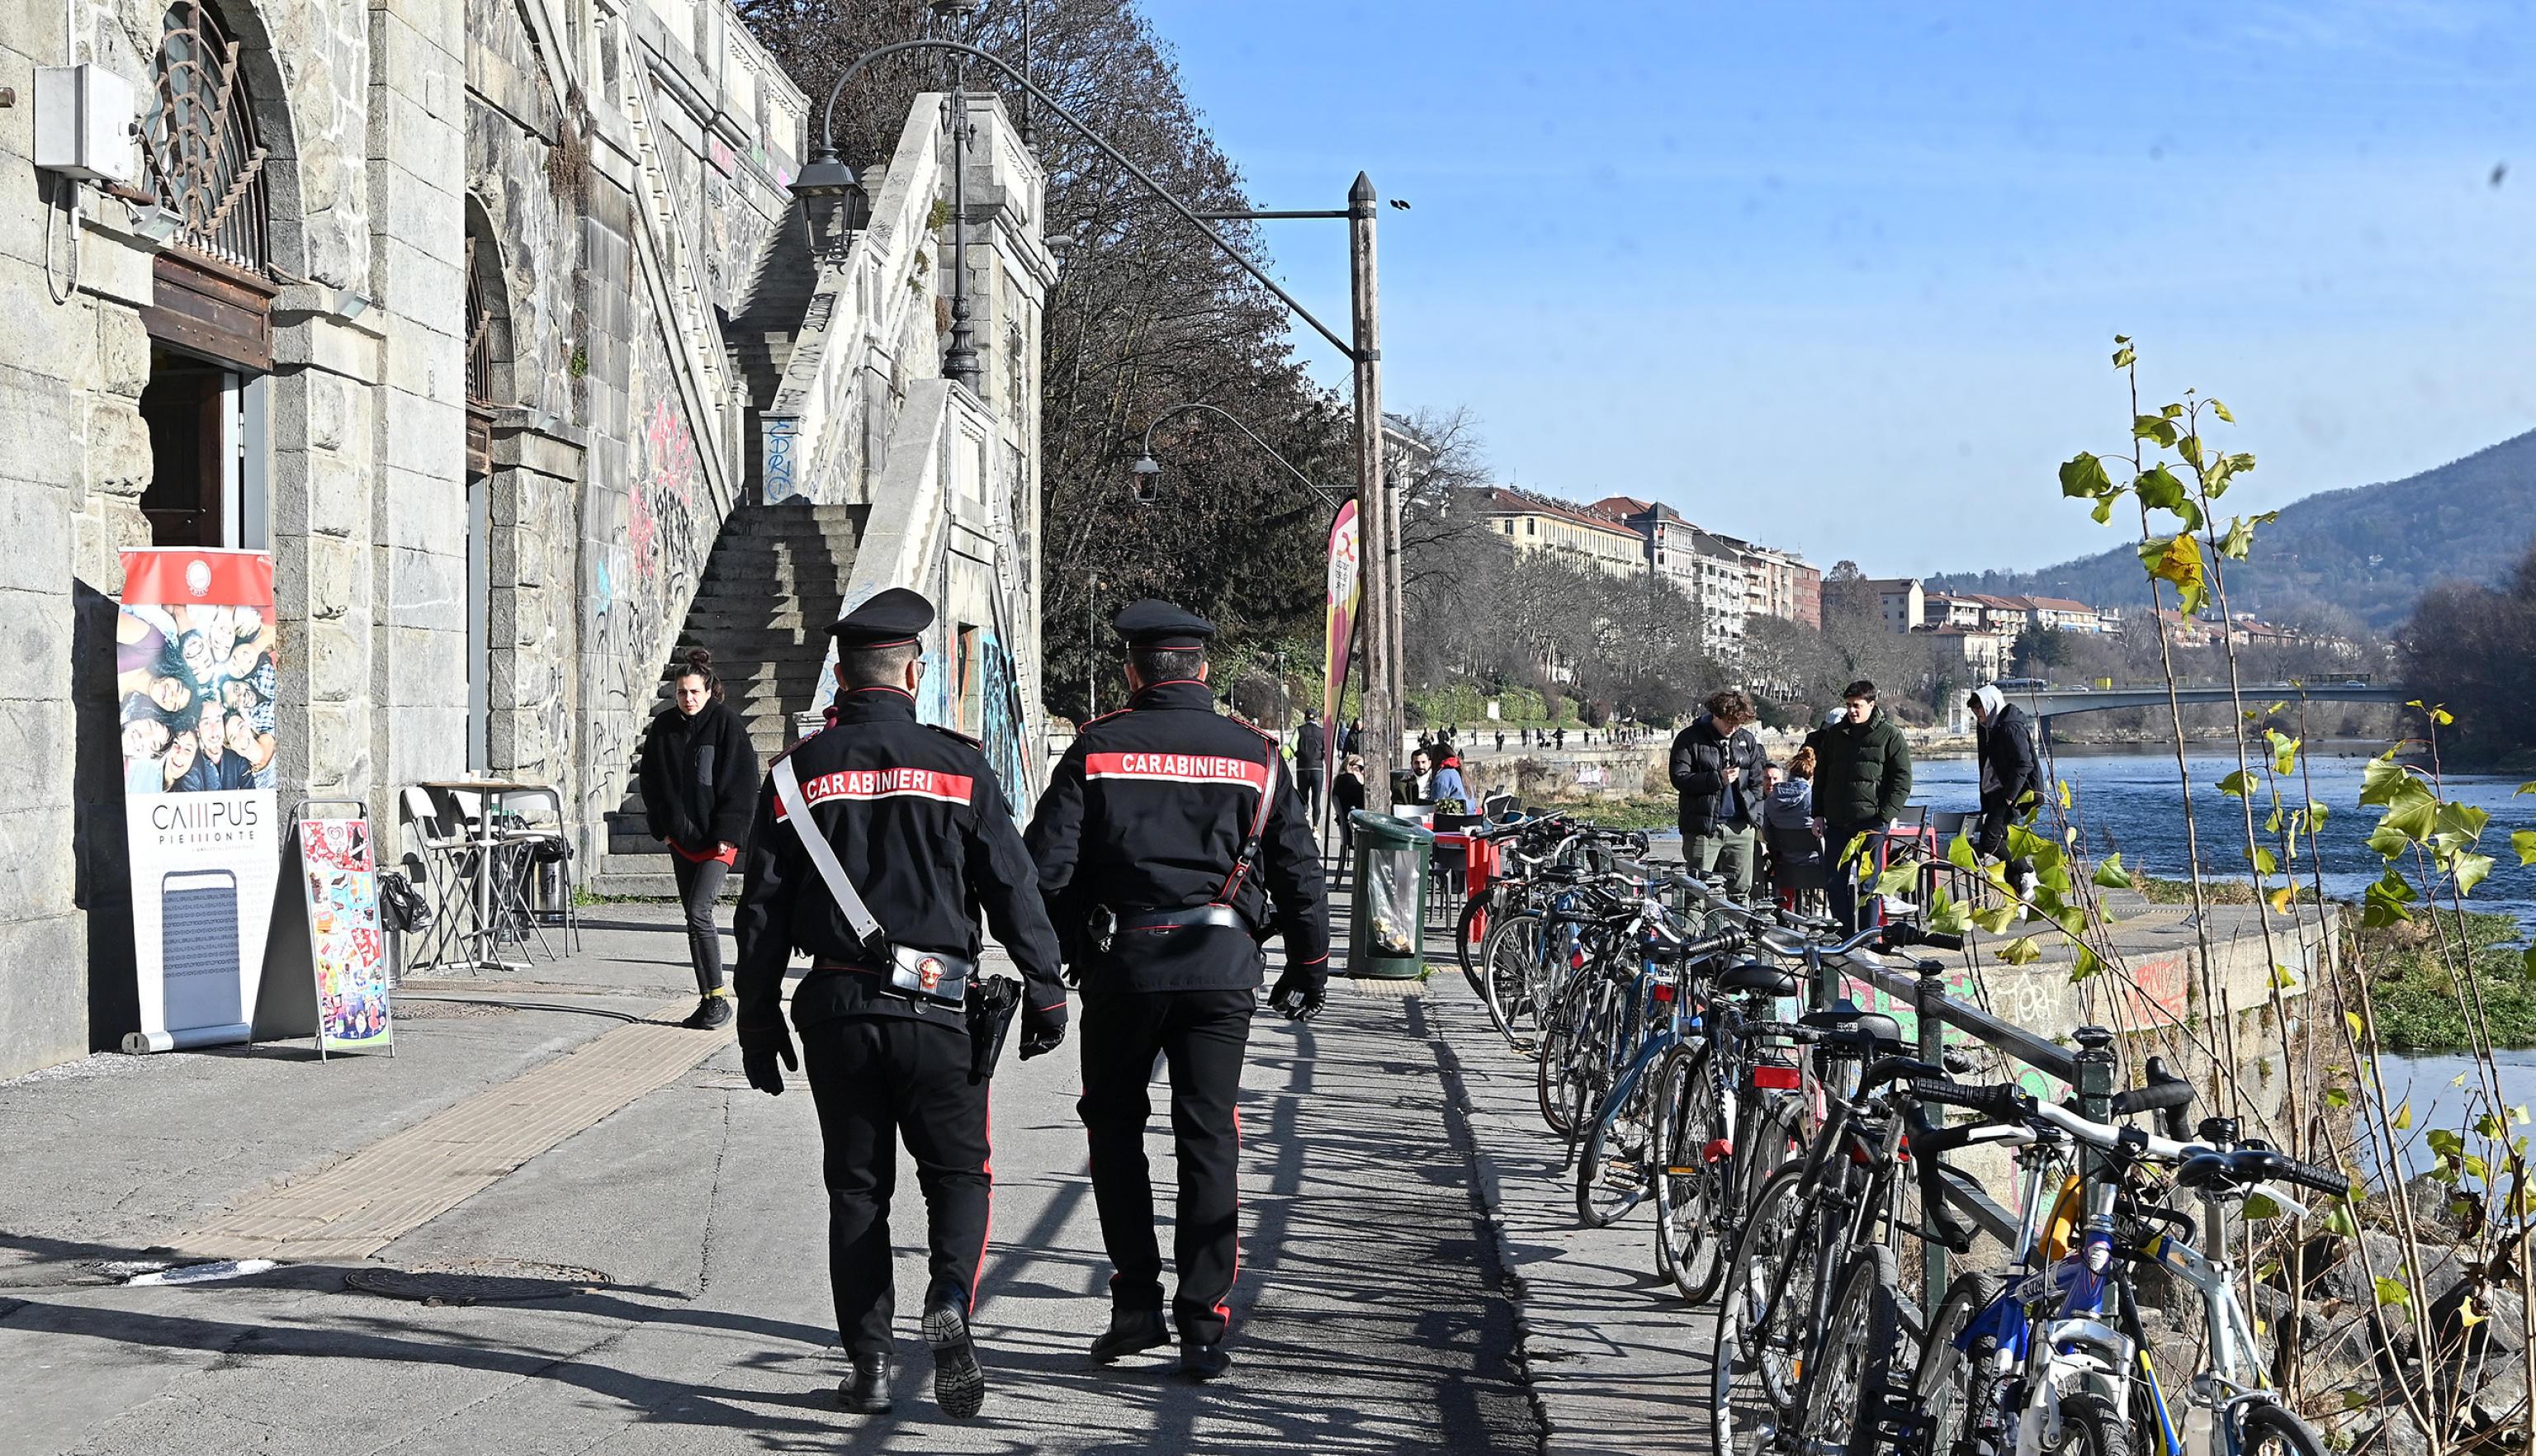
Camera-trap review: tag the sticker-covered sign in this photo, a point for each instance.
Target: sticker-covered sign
(340, 879)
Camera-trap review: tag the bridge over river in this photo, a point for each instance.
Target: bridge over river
(2050, 703)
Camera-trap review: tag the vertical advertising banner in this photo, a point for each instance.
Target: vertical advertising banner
(195, 668)
(1345, 584)
(342, 885)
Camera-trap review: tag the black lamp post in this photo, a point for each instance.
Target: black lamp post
(960, 356)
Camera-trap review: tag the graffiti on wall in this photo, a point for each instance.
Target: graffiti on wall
(1000, 723)
(779, 456)
(648, 542)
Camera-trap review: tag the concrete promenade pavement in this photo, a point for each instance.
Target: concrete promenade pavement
(684, 1232)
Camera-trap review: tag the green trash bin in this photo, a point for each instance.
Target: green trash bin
(1388, 918)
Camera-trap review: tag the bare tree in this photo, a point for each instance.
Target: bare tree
(1146, 314)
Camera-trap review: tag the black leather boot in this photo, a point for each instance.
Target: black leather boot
(867, 1391)
(959, 1382)
(1203, 1362)
(1130, 1330)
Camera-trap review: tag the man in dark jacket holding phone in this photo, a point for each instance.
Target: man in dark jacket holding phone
(923, 835)
(1717, 768)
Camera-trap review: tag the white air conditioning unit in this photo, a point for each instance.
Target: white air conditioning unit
(83, 123)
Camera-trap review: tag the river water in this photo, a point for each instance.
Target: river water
(2129, 799)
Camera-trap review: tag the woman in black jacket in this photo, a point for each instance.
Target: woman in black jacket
(699, 782)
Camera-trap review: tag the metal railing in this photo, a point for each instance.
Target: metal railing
(2089, 1072)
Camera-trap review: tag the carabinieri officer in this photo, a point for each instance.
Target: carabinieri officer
(923, 835)
(1165, 832)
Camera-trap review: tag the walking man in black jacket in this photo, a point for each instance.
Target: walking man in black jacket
(2011, 777)
(1717, 769)
(1311, 761)
(921, 831)
(1165, 838)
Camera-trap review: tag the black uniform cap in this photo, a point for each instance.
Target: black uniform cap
(1160, 624)
(890, 618)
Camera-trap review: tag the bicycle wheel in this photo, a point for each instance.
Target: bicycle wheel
(2090, 1427)
(1506, 981)
(1941, 1388)
(1466, 931)
(1612, 1175)
(1751, 1354)
(1781, 1140)
(2276, 1431)
(1691, 1176)
(1851, 1383)
(1566, 1029)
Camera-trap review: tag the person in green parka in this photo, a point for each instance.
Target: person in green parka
(1862, 781)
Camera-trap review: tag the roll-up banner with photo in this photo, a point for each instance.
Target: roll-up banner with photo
(195, 669)
(1346, 587)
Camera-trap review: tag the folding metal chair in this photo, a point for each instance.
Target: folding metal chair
(440, 859)
(539, 878)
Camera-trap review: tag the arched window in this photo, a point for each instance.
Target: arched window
(205, 161)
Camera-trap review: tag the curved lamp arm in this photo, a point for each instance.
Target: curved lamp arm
(828, 145)
(1147, 451)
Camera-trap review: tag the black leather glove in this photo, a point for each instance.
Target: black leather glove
(1041, 1030)
(1300, 993)
(758, 1052)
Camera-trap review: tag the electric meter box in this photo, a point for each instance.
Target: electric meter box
(84, 117)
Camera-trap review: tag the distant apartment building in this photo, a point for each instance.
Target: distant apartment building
(1983, 653)
(1583, 537)
(2012, 614)
(2060, 614)
(1901, 600)
(1406, 455)
(1779, 583)
(1707, 568)
(1952, 610)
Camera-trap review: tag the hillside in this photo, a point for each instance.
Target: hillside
(2370, 549)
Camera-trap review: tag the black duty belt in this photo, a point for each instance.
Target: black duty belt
(1224, 916)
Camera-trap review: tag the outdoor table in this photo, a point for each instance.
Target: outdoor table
(485, 950)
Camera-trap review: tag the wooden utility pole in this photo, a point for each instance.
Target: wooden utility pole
(1377, 519)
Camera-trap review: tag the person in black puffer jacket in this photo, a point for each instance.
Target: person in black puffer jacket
(699, 784)
(1717, 768)
(1862, 783)
(2011, 778)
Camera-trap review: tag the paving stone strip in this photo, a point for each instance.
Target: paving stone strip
(353, 1209)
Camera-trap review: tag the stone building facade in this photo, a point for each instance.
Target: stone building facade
(477, 315)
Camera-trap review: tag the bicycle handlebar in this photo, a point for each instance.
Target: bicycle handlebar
(2156, 1097)
(2323, 1179)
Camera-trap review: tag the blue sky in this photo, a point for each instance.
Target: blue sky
(1844, 277)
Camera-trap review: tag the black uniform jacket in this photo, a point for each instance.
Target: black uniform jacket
(1148, 812)
(919, 823)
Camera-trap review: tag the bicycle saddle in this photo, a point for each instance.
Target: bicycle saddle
(1757, 977)
(1865, 1031)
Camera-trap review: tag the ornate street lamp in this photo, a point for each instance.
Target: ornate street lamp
(833, 202)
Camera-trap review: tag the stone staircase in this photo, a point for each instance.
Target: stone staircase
(775, 581)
